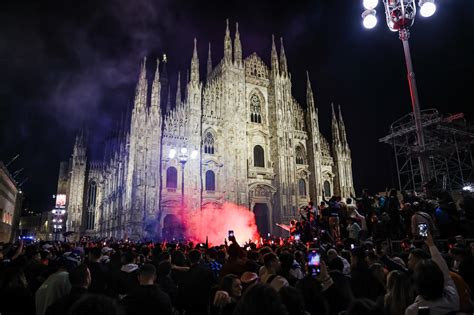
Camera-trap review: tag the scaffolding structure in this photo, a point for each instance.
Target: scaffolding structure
(448, 146)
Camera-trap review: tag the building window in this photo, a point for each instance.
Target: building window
(327, 189)
(91, 203)
(92, 195)
(255, 109)
(258, 156)
(210, 181)
(302, 187)
(171, 178)
(209, 143)
(300, 158)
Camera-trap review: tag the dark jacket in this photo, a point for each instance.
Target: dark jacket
(123, 281)
(19, 301)
(195, 290)
(169, 287)
(364, 284)
(147, 299)
(62, 305)
(99, 277)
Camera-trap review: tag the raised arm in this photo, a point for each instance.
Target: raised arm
(439, 260)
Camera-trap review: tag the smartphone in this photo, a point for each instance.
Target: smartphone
(423, 230)
(297, 237)
(231, 233)
(352, 246)
(314, 262)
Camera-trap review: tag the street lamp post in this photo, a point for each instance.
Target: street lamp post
(400, 16)
(183, 157)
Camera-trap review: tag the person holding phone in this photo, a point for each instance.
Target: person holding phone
(436, 290)
(418, 218)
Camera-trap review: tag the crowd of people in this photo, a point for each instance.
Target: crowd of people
(392, 215)
(338, 260)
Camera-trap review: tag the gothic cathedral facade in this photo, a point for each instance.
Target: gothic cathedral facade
(246, 139)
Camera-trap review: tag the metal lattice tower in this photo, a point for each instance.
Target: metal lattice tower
(448, 146)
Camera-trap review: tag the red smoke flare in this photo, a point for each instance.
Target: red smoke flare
(215, 222)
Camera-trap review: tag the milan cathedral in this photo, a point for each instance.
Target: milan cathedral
(238, 135)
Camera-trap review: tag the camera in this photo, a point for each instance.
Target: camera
(314, 262)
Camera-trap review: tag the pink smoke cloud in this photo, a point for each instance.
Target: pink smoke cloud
(215, 222)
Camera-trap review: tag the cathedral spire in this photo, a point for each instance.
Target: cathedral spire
(164, 80)
(195, 65)
(164, 71)
(275, 66)
(79, 151)
(342, 129)
(309, 93)
(237, 47)
(156, 87)
(186, 92)
(227, 45)
(142, 87)
(312, 110)
(178, 90)
(336, 139)
(209, 61)
(283, 65)
(168, 102)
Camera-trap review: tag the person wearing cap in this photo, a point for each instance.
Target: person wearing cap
(147, 298)
(247, 279)
(47, 246)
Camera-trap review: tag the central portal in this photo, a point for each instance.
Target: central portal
(261, 217)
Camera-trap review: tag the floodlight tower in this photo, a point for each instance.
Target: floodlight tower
(400, 16)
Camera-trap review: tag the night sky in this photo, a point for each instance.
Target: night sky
(65, 64)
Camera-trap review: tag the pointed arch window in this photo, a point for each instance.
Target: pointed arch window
(302, 187)
(299, 153)
(210, 181)
(258, 156)
(91, 203)
(327, 188)
(92, 194)
(171, 178)
(255, 109)
(209, 143)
